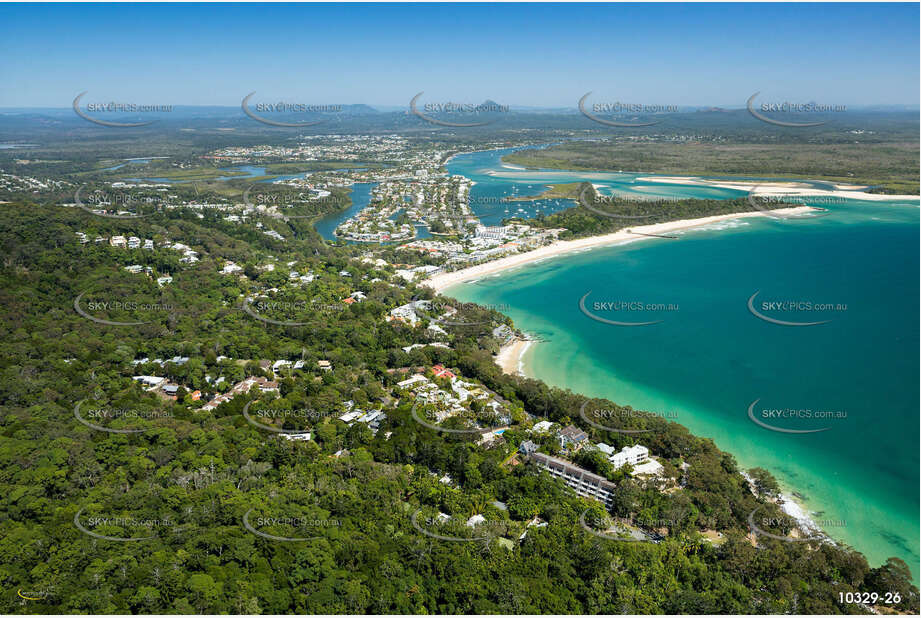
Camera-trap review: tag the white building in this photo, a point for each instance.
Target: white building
(542, 427)
(494, 232)
(151, 381)
(585, 483)
(606, 448)
(633, 455)
(475, 520)
(413, 380)
(230, 268)
(405, 312)
(296, 436)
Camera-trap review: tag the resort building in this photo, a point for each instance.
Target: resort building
(585, 483)
(493, 232)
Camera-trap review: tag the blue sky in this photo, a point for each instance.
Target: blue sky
(535, 55)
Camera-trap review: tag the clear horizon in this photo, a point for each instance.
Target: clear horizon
(688, 55)
(394, 108)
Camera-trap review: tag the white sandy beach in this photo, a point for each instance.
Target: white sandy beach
(851, 192)
(510, 356)
(442, 281)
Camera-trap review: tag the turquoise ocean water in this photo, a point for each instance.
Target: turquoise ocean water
(709, 357)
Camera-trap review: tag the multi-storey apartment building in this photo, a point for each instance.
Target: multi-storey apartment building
(584, 483)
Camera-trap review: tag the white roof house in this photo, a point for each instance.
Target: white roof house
(405, 312)
(348, 417)
(606, 448)
(150, 380)
(296, 436)
(633, 455)
(476, 520)
(230, 268)
(413, 380)
(542, 427)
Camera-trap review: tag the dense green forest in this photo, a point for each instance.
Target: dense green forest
(177, 508)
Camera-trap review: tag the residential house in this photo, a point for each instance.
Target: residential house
(527, 447)
(542, 427)
(573, 438)
(441, 372)
(150, 381)
(415, 379)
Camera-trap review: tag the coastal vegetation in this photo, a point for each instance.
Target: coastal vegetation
(185, 484)
(569, 190)
(892, 166)
(609, 214)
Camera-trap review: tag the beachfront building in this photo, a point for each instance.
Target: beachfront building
(583, 482)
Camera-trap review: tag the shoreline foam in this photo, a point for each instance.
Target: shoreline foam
(511, 355)
(442, 281)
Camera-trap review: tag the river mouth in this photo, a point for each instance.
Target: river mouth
(712, 358)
